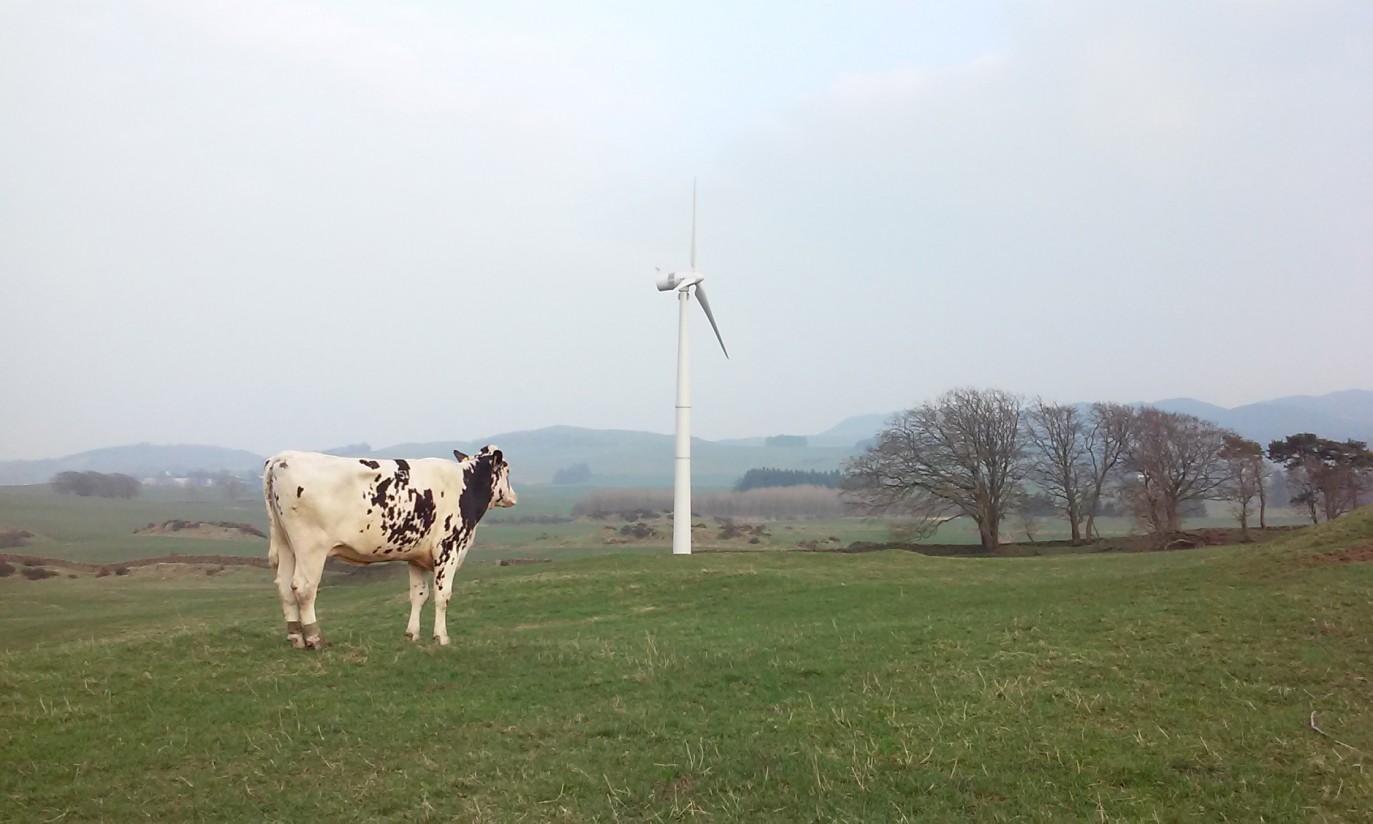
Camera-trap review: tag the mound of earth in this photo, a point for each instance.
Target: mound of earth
(114, 567)
(217, 530)
(172, 565)
(11, 538)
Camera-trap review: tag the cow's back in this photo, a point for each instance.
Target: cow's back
(365, 510)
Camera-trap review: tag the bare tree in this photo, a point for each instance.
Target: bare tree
(1109, 430)
(1244, 469)
(1058, 446)
(1265, 477)
(961, 455)
(1027, 518)
(1176, 460)
(232, 485)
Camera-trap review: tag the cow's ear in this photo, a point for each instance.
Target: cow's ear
(499, 456)
(461, 457)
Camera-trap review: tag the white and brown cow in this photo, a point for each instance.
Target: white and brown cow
(363, 511)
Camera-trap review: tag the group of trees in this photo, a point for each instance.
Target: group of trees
(96, 484)
(983, 454)
(792, 502)
(578, 473)
(1327, 477)
(768, 477)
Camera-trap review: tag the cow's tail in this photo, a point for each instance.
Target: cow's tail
(273, 516)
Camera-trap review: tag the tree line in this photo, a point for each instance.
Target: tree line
(792, 502)
(765, 477)
(982, 454)
(96, 484)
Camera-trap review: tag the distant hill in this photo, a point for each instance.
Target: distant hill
(1338, 416)
(851, 432)
(139, 460)
(627, 458)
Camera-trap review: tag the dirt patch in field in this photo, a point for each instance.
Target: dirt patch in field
(1192, 539)
(177, 565)
(124, 567)
(1352, 555)
(215, 530)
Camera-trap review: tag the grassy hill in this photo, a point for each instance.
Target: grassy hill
(740, 687)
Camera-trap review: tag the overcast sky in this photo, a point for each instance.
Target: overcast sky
(272, 225)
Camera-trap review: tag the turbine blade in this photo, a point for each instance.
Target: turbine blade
(705, 304)
(693, 225)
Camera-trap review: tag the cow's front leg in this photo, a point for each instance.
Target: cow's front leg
(419, 594)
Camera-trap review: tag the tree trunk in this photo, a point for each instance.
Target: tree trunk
(1171, 516)
(1244, 524)
(987, 529)
(1263, 505)
(1074, 518)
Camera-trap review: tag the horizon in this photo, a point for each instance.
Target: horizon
(279, 223)
(668, 434)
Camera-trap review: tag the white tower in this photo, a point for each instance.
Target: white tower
(684, 284)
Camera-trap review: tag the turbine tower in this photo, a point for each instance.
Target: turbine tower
(684, 283)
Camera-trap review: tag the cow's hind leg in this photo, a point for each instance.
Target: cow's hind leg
(284, 559)
(305, 585)
(419, 594)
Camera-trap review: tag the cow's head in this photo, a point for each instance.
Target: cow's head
(492, 460)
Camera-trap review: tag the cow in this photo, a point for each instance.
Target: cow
(363, 511)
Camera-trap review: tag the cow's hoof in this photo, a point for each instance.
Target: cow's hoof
(443, 642)
(295, 634)
(314, 639)
(297, 641)
(413, 636)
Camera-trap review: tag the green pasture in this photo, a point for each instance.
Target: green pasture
(104, 531)
(741, 686)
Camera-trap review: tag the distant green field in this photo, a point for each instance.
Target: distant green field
(101, 530)
(766, 686)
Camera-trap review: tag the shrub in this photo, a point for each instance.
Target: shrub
(6, 569)
(38, 573)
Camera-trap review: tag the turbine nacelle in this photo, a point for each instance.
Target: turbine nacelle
(682, 282)
(676, 281)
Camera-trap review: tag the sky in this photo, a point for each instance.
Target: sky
(273, 224)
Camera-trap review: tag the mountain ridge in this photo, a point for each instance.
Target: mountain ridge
(622, 457)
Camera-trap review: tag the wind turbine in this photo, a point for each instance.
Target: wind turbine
(684, 283)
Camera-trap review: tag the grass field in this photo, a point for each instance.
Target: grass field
(764, 686)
